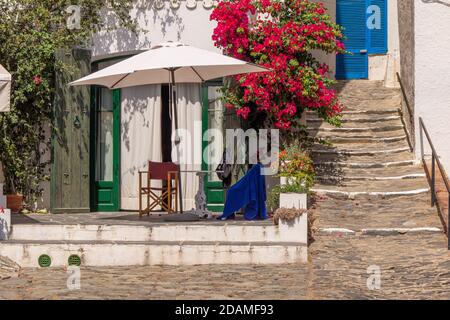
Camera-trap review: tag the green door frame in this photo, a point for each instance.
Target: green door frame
(105, 195)
(215, 196)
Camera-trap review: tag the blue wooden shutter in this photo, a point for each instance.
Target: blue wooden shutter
(351, 14)
(377, 43)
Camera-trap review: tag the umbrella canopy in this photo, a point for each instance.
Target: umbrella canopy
(172, 63)
(190, 65)
(5, 89)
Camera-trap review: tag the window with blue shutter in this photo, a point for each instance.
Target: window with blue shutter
(377, 26)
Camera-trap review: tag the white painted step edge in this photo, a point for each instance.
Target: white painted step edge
(363, 165)
(368, 178)
(364, 152)
(378, 231)
(353, 194)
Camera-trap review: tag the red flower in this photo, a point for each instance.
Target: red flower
(37, 80)
(283, 45)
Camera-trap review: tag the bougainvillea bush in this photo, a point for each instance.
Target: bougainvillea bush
(280, 35)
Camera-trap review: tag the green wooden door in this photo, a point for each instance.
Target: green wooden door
(106, 143)
(213, 118)
(70, 139)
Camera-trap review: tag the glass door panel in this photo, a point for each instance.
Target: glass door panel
(213, 118)
(104, 169)
(215, 121)
(107, 134)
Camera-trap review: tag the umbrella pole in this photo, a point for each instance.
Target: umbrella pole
(177, 138)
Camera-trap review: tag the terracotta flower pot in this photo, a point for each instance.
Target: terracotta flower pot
(14, 202)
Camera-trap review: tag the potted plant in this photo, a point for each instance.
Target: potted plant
(296, 172)
(298, 222)
(14, 200)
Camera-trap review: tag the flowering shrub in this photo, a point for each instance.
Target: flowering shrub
(279, 35)
(297, 166)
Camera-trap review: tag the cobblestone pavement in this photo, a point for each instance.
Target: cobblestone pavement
(411, 267)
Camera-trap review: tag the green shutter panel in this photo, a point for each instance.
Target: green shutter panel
(377, 35)
(70, 140)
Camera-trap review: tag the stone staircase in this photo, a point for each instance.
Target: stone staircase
(368, 177)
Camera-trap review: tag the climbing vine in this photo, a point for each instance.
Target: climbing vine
(30, 32)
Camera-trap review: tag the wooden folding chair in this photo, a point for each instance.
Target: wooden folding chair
(159, 196)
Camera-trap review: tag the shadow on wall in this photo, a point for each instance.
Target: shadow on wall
(148, 19)
(134, 106)
(437, 1)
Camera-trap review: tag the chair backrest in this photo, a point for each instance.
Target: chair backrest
(159, 170)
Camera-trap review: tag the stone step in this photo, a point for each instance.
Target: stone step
(365, 91)
(404, 172)
(413, 211)
(350, 124)
(372, 189)
(357, 118)
(370, 145)
(334, 179)
(253, 232)
(350, 141)
(357, 129)
(378, 156)
(381, 231)
(356, 134)
(408, 168)
(367, 165)
(377, 185)
(369, 112)
(359, 150)
(390, 105)
(367, 195)
(118, 253)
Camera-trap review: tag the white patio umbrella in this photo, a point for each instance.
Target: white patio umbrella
(169, 62)
(5, 89)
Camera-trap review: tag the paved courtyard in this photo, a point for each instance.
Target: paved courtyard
(369, 180)
(411, 267)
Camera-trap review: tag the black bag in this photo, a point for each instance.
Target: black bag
(224, 170)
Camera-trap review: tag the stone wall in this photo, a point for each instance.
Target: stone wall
(406, 36)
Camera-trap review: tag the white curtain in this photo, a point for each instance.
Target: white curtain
(140, 138)
(189, 111)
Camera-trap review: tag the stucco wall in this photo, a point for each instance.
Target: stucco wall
(432, 73)
(189, 26)
(406, 35)
(384, 67)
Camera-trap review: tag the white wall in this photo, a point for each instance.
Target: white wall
(432, 74)
(384, 67)
(189, 26)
